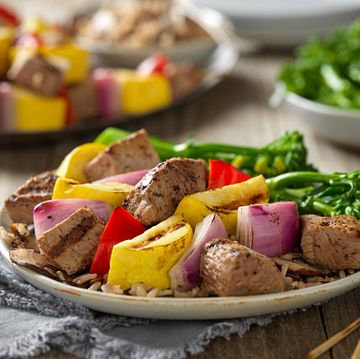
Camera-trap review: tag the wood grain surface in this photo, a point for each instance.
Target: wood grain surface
(235, 112)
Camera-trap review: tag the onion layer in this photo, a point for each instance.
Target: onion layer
(131, 178)
(185, 274)
(49, 213)
(270, 229)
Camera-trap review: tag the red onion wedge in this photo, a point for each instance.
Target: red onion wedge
(270, 229)
(49, 213)
(185, 273)
(131, 178)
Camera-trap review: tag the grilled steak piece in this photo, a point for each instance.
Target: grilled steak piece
(32, 259)
(184, 79)
(157, 195)
(21, 203)
(38, 75)
(83, 101)
(228, 268)
(130, 154)
(72, 243)
(332, 242)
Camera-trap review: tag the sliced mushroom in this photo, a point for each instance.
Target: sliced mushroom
(34, 260)
(299, 268)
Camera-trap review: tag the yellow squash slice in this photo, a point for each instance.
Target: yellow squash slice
(113, 193)
(73, 164)
(224, 201)
(149, 257)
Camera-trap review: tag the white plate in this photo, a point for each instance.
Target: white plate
(184, 308)
(335, 124)
(284, 22)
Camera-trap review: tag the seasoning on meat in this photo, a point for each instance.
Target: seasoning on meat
(157, 195)
(21, 203)
(228, 268)
(72, 243)
(332, 242)
(130, 154)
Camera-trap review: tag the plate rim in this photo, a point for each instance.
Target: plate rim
(329, 290)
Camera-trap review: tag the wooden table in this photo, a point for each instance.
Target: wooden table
(234, 112)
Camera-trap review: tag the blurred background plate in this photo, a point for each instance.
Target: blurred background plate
(221, 63)
(338, 125)
(284, 22)
(197, 49)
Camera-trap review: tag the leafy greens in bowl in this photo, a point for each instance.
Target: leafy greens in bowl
(322, 85)
(327, 71)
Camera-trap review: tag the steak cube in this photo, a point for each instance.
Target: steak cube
(72, 243)
(83, 101)
(332, 242)
(21, 203)
(228, 268)
(157, 195)
(39, 75)
(130, 154)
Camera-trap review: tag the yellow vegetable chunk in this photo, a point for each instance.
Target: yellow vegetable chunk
(141, 94)
(77, 60)
(113, 193)
(74, 163)
(6, 38)
(224, 201)
(149, 257)
(38, 113)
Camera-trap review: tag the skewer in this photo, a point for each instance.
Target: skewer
(322, 348)
(356, 353)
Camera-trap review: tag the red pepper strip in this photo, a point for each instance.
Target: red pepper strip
(70, 113)
(121, 226)
(155, 64)
(222, 174)
(9, 16)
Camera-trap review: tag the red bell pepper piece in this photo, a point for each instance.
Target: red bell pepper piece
(9, 16)
(121, 226)
(155, 64)
(222, 174)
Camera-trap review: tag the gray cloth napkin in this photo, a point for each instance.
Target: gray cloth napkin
(33, 322)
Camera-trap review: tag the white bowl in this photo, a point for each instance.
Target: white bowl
(338, 125)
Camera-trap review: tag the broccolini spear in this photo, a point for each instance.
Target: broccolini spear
(285, 154)
(324, 194)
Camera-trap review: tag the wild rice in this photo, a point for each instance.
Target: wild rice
(111, 288)
(81, 279)
(290, 256)
(61, 276)
(51, 272)
(179, 294)
(153, 292)
(21, 228)
(95, 286)
(165, 293)
(8, 237)
(284, 269)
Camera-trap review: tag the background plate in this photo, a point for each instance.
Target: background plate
(184, 308)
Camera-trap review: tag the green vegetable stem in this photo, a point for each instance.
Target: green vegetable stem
(324, 194)
(287, 153)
